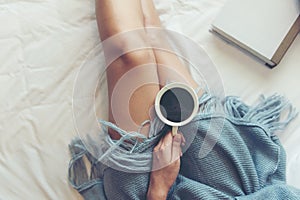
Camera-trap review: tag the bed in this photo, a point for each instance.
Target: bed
(43, 43)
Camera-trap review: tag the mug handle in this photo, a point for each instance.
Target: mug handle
(174, 130)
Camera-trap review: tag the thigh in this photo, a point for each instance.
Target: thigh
(128, 108)
(170, 67)
(115, 16)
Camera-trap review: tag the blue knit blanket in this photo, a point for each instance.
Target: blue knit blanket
(232, 153)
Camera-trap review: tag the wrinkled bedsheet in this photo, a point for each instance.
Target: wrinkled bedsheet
(43, 43)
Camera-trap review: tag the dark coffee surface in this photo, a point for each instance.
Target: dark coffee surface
(176, 104)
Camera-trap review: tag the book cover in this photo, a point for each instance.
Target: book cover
(264, 28)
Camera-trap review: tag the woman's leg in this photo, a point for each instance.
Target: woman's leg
(114, 17)
(170, 67)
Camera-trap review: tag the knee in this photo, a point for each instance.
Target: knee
(138, 57)
(133, 49)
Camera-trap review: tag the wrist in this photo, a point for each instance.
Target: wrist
(157, 189)
(158, 194)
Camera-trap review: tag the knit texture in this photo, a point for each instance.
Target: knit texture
(232, 153)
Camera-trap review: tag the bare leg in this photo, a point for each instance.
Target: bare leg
(113, 17)
(169, 65)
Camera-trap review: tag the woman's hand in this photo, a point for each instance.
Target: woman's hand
(165, 166)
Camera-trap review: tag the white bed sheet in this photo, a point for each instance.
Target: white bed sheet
(42, 45)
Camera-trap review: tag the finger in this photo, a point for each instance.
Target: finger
(164, 141)
(158, 146)
(166, 148)
(183, 140)
(176, 147)
(162, 154)
(167, 140)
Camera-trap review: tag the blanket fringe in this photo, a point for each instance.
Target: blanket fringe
(272, 113)
(267, 113)
(78, 173)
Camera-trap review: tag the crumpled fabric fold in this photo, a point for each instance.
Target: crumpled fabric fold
(233, 153)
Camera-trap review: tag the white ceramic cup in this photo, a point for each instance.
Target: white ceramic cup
(184, 95)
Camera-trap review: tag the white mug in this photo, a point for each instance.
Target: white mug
(176, 104)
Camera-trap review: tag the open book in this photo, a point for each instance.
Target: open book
(264, 28)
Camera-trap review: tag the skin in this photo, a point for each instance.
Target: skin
(117, 16)
(166, 159)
